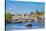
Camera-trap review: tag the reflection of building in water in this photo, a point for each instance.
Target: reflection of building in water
(27, 18)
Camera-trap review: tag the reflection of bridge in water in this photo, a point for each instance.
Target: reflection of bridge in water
(28, 20)
(23, 20)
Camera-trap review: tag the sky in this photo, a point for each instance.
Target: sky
(21, 7)
(28, 0)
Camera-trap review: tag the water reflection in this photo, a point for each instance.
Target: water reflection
(33, 24)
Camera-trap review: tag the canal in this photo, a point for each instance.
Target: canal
(21, 26)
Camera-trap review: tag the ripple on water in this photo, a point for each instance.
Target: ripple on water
(23, 26)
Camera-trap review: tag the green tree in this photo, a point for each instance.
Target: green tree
(8, 16)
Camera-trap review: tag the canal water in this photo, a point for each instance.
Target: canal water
(22, 26)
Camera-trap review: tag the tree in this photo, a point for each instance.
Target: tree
(38, 13)
(8, 16)
(42, 13)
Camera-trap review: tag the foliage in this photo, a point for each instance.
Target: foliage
(8, 16)
(38, 13)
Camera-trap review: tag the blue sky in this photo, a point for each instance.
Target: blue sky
(22, 7)
(28, 0)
